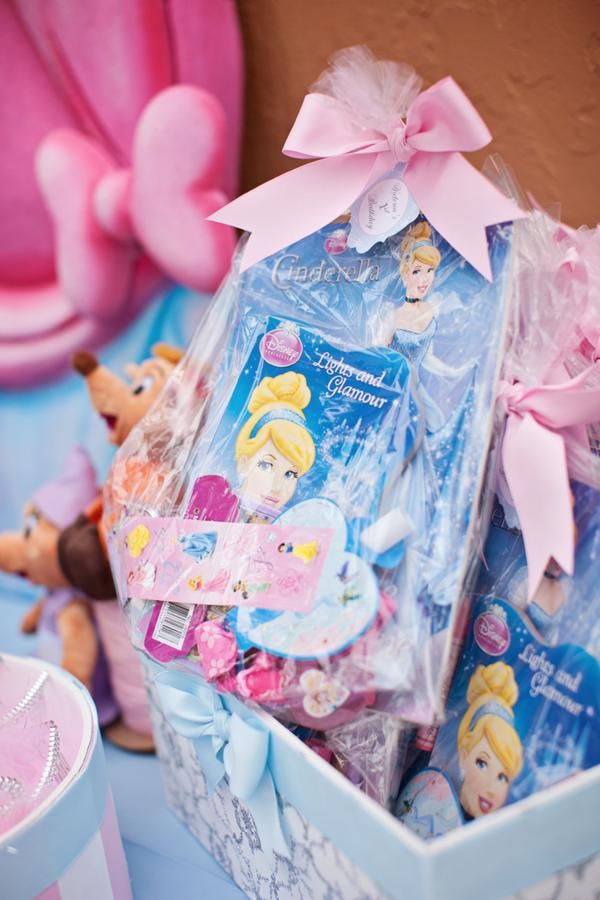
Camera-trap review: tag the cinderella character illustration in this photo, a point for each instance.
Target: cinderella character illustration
(428, 577)
(413, 324)
(419, 259)
(490, 757)
(274, 448)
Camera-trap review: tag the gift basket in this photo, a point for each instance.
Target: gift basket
(59, 835)
(295, 520)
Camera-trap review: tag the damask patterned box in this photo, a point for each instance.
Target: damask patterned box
(343, 846)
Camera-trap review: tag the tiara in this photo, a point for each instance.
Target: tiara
(277, 415)
(493, 708)
(424, 242)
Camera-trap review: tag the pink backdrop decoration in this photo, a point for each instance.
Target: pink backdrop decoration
(120, 129)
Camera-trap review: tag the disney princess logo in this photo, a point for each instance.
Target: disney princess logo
(491, 634)
(281, 348)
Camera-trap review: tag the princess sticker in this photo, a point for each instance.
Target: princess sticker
(137, 540)
(144, 575)
(246, 588)
(200, 545)
(305, 552)
(229, 563)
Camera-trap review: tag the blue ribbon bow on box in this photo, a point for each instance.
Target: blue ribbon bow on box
(228, 746)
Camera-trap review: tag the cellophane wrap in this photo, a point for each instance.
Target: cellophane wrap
(554, 338)
(523, 706)
(554, 325)
(295, 518)
(370, 750)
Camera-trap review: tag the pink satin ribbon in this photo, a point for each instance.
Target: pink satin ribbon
(534, 455)
(457, 200)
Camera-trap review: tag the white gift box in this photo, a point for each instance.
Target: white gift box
(343, 846)
(68, 846)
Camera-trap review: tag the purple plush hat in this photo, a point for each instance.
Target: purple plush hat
(62, 500)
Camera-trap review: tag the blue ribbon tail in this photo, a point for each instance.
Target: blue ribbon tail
(265, 811)
(211, 765)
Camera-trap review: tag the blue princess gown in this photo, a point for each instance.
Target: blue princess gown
(414, 346)
(427, 489)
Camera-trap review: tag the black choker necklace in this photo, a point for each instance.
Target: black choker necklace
(412, 299)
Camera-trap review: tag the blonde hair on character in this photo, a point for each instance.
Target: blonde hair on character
(425, 253)
(287, 392)
(493, 686)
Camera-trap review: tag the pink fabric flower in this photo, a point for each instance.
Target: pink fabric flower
(217, 649)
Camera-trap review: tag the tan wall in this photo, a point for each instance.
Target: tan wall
(531, 67)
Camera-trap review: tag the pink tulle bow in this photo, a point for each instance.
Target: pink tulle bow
(540, 421)
(440, 123)
(106, 216)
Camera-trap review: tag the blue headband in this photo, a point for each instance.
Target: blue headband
(276, 415)
(491, 709)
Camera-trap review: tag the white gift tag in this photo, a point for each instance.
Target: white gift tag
(384, 209)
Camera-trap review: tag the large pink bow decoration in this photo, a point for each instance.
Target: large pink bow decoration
(457, 200)
(541, 421)
(108, 218)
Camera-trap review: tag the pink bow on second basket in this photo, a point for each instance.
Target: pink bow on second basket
(107, 218)
(457, 200)
(541, 421)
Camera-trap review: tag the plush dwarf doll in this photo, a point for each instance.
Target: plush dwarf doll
(63, 616)
(83, 561)
(82, 547)
(60, 548)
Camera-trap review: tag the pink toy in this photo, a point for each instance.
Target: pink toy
(217, 649)
(320, 700)
(122, 121)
